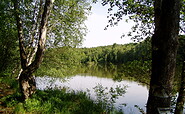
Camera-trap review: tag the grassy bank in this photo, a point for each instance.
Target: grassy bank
(50, 101)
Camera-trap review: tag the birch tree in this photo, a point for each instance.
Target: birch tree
(26, 80)
(64, 27)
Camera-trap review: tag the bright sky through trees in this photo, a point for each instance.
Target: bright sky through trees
(96, 23)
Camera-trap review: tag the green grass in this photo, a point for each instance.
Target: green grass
(55, 101)
(52, 101)
(58, 101)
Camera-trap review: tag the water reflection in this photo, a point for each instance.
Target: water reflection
(136, 94)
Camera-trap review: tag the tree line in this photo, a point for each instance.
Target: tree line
(57, 61)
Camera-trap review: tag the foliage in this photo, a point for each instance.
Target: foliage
(139, 11)
(134, 60)
(11, 82)
(66, 27)
(66, 24)
(181, 51)
(139, 70)
(107, 54)
(61, 101)
(106, 97)
(60, 62)
(65, 59)
(119, 54)
(8, 40)
(182, 17)
(10, 91)
(57, 101)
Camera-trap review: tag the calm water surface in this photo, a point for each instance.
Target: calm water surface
(136, 94)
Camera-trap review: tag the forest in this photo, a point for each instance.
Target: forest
(39, 38)
(136, 55)
(113, 54)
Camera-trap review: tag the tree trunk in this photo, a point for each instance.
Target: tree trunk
(27, 84)
(164, 49)
(26, 79)
(181, 98)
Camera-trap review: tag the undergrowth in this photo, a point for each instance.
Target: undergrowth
(56, 101)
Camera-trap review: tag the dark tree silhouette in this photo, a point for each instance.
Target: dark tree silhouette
(164, 50)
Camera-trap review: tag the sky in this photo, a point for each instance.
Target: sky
(96, 23)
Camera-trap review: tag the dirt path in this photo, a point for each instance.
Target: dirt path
(4, 91)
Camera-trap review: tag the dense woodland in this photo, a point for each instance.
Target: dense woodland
(135, 56)
(61, 59)
(113, 54)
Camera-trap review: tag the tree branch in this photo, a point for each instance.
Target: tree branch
(42, 36)
(20, 35)
(182, 29)
(33, 41)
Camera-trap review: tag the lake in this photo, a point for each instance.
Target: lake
(136, 93)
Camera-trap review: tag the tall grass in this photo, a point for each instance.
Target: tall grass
(58, 101)
(54, 101)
